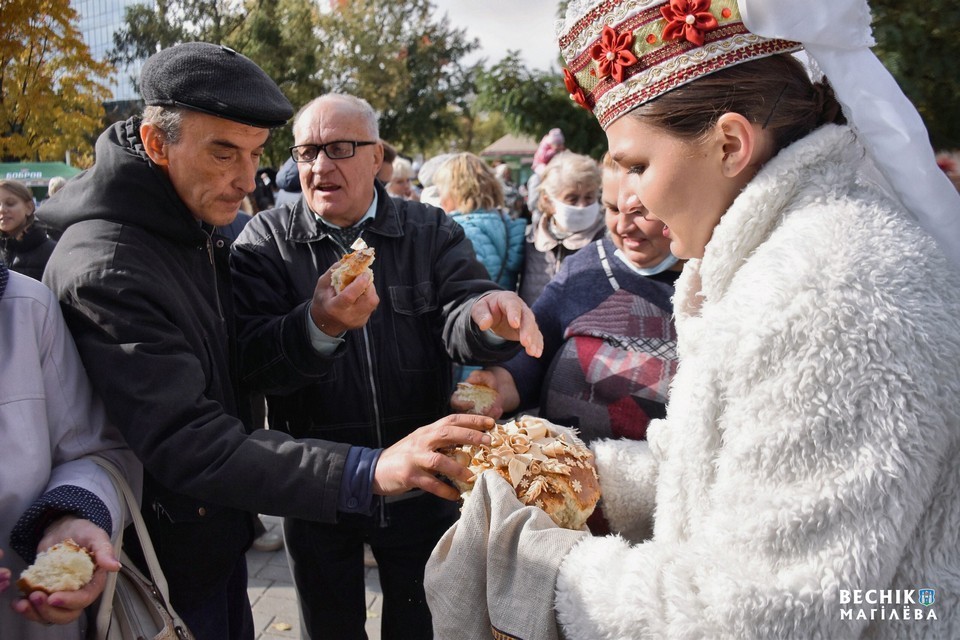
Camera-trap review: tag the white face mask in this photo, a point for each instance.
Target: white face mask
(573, 219)
(665, 264)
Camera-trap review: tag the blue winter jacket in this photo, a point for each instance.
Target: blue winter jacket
(498, 241)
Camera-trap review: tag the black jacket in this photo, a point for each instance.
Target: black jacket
(389, 377)
(146, 292)
(30, 253)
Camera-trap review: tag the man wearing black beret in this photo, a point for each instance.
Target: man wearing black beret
(142, 276)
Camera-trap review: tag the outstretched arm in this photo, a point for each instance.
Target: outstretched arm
(415, 461)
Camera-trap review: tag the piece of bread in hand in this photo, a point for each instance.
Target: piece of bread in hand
(480, 395)
(65, 566)
(352, 265)
(548, 466)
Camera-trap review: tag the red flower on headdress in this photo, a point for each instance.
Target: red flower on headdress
(576, 92)
(613, 54)
(688, 19)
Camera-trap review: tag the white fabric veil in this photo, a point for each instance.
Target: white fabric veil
(836, 35)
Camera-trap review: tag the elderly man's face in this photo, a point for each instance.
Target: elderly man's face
(213, 164)
(338, 190)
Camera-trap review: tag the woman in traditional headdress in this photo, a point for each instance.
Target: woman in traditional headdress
(804, 482)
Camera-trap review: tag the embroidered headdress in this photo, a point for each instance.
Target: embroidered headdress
(622, 53)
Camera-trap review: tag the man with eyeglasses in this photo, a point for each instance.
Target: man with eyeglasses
(368, 366)
(145, 286)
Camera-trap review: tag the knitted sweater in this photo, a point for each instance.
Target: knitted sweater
(609, 347)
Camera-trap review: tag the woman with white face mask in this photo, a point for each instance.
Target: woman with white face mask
(569, 219)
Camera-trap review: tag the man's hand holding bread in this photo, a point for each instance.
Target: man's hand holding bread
(336, 311)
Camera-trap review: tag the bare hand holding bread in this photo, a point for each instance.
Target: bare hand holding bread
(63, 567)
(546, 464)
(345, 295)
(352, 265)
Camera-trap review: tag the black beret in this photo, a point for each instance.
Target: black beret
(213, 79)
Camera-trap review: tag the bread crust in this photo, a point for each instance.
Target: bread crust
(548, 466)
(351, 266)
(480, 395)
(66, 566)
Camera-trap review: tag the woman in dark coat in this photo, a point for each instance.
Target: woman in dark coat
(24, 245)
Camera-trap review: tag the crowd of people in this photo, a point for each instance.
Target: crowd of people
(747, 312)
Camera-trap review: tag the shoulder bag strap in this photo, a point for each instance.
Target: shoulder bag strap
(153, 564)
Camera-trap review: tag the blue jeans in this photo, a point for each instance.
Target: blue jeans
(225, 615)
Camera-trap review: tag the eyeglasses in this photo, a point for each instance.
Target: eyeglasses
(336, 150)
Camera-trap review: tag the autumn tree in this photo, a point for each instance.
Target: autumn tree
(51, 89)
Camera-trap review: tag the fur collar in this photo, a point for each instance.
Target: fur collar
(812, 167)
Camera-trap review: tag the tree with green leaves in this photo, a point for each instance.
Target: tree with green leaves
(533, 102)
(919, 44)
(51, 89)
(280, 36)
(396, 55)
(151, 28)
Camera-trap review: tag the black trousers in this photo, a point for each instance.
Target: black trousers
(225, 615)
(326, 561)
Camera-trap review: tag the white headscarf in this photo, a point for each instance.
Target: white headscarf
(836, 35)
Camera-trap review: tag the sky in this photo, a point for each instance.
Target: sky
(500, 25)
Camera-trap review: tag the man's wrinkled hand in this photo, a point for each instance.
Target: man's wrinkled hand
(508, 316)
(415, 461)
(335, 313)
(487, 379)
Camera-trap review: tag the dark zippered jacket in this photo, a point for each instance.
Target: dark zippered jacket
(29, 254)
(388, 377)
(146, 292)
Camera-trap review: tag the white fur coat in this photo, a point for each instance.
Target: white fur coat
(811, 440)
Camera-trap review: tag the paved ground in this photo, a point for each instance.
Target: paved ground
(274, 600)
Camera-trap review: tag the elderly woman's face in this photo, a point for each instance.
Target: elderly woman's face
(400, 186)
(641, 240)
(14, 212)
(580, 194)
(678, 182)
